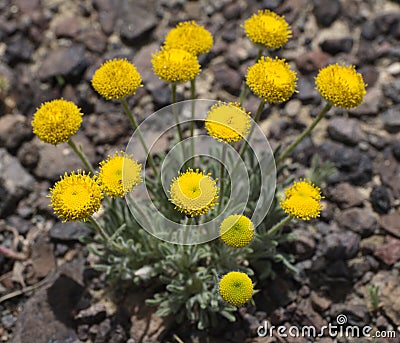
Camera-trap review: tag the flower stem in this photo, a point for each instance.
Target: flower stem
(81, 155)
(103, 234)
(192, 97)
(256, 120)
(278, 226)
(291, 147)
(139, 133)
(245, 89)
(222, 175)
(173, 92)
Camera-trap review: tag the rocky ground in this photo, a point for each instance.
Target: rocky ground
(50, 49)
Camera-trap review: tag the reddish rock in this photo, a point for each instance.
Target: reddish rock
(311, 61)
(391, 224)
(389, 252)
(346, 196)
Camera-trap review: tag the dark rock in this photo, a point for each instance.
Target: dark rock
(359, 220)
(389, 172)
(370, 75)
(391, 224)
(14, 130)
(108, 13)
(103, 331)
(304, 152)
(303, 245)
(279, 316)
(67, 27)
(369, 31)
(306, 315)
(252, 323)
(336, 45)
(396, 150)
(94, 40)
(19, 49)
(311, 61)
(346, 196)
(232, 11)
(161, 97)
(228, 78)
(137, 23)
(359, 266)
(386, 23)
(15, 182)
(68, 232)
(55, 303)
(371, 103)
(272, 4)
(338, 269)
(356, 314)
(229, 32)
(345, 130)
(389, 252)
(66, 62)
(108, 128)
(341, 245)
(366, 53)
(326, 11)
(92, 315)
(307, 93)
(42, 257)
(83, 332)
(117, 335)
(391, 119)
(22, 226)
(392, 90)
(54, 161)
(320, 303)
(28, 155)
(7, 321)
(380, 199)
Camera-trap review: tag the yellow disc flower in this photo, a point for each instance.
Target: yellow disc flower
(236, 288)
(303, 200)
(340, 85)
(56, 121)
(175, 65)
(189, 36)
(227, 122)
(268, 29)
(119, 174)
(116, 79)
(75, 197)
(194, 192)
(237, 231)
(271, 80)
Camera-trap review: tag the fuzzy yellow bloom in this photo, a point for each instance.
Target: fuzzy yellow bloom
(56, 121)
(341, 85)
(268, 29)
(303, 200)
(119, 174)
(116, 79)
(189, 36)
(237, 231)
(175, 65)
(75, 197)
(227, 122)
(194, 192)
(271, 80)
(236, 288)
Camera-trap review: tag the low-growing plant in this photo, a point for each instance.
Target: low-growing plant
(201, 228)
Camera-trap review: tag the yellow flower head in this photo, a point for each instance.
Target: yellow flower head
(119, 174)
(227, 122)
(175, 65)
(56, 121)
(303, 200)
(271, 80)
(189, 36)
(194, 192)
(268, 28)
(236, 288)
(237, 231)
(75, 197)
(340, 85)
(116, 79)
